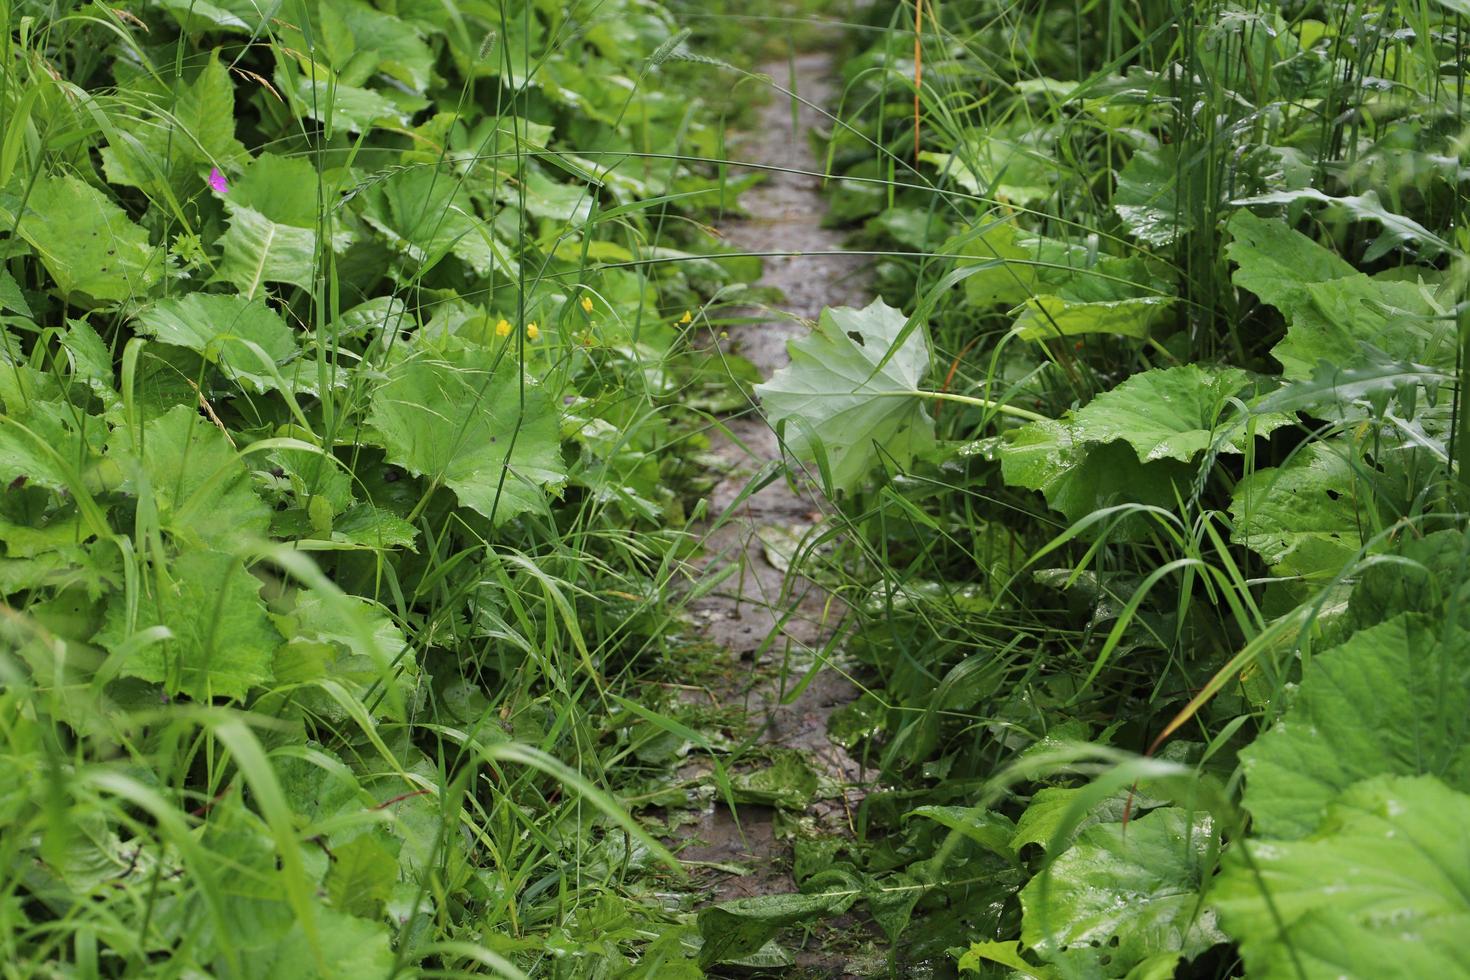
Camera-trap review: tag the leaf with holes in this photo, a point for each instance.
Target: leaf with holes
(1306, 516)
(835, 396)
(92, 249)
(1332, 310)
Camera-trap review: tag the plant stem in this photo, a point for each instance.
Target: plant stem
(1002, 407)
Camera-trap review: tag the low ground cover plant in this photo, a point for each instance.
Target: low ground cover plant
(350, 399)
(1151, 483)
(357, 369)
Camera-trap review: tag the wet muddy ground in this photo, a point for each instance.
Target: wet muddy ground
(775, 627)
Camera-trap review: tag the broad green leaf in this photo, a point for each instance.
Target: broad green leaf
(259, 250)
(834, 395)
(11, 298)
(281, 189)
(1306, 516)
(1390, 701)
(1078, 478)
(351, 642)
(223, 642)
(362, 876)
(344, 107)
(46, 442)
(199, 486)
(1334, 392)
(457, 417)
(396, 48)
(167, 151)
(219, 327)
(1332, 310)
(1177, 413)
(88, 244)
(1397, 229)
(1051, 806)
(90, 359)
(1046, 317)
(546, 198)
(1006, 954)
(206, 112)
(1275, 261)
(426, 213)
(234, 16)
(1010, 283)
(992, 831)
(891, 901)
(373, 527)
(1141, 889)
(733, 930)
(1112, 279)
(1146, 197)
(351, 949)
(1382, 889)
(787, 782)
(1425, 576)
(1018, 169)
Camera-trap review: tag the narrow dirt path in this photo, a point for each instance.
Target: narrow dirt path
(769, 623)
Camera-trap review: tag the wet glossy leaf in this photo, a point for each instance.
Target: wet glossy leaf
(1390, 701)
(1380, 890)
(1006, 954)
(1397, 229)
(786, 782)
(736, 929)
(1177, 413)
(1078, 478)
(1305, 516)
(1141, 888)
(1046, 317)
(1332, 310)
(1146, 197)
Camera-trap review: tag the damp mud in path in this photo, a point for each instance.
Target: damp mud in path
(771, 625)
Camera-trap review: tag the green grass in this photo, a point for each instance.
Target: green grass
(343, 629)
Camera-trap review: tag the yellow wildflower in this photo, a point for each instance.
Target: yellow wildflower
(686, 318)
(502, 329)
(586, 304)
(532, 331)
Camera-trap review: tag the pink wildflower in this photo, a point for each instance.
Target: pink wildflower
(217, 181)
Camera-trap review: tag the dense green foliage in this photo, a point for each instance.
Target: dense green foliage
(342, 480)
(355, 377)
(1181, 661)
